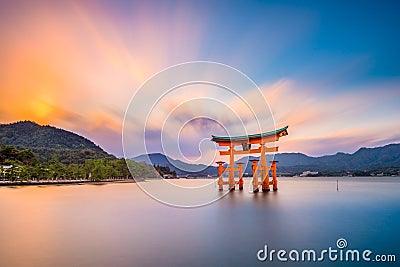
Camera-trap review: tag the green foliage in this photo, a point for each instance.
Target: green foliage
(141, 169)
(92, 169)
(164, 170)
(27, 157)
(30, 134)
(29, 151)
(22, 165)
(10, 153)
(42, 172)
(120, 168)
(47, 142)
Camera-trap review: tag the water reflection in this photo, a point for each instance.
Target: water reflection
(119, 225)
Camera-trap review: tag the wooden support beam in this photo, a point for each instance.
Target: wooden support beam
(240, 170)
(274, 179)
(266, 139)
(231, 176)
(264, 171)
(255, 175)
(251, 151)
(229, 168)
(220, 171)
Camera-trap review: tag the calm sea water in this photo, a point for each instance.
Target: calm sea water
(119, 225)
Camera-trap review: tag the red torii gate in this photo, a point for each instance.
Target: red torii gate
(246, 141)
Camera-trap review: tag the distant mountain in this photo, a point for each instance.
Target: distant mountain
(364, 159)
(181, 168)
(49, 142)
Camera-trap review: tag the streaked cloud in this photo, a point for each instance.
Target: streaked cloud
(341, 121)
(76, 65)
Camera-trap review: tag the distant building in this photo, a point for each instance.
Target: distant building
(308, 173)
(169, 176)
(4, 169)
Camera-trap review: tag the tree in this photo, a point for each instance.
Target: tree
(42, 171)
(57, 169)
(8, 153)
(142, 170)
(12, 173)
(27, 157)
(25, 172)
(100, 170)
(76, 171)
(120, 169)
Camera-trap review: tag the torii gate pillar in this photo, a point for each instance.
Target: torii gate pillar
(274, 179)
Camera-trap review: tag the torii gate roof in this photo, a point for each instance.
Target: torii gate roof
(252, 137)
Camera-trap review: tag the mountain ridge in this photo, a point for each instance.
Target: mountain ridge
(180, 167)
(49, 142)
(366, 159)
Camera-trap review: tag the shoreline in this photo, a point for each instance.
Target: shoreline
(64, 182)
(106, 181)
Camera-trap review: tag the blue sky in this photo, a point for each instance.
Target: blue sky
(329, 69)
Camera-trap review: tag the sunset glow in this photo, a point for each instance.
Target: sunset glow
(76, 65)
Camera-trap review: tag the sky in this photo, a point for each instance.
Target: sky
(330, 70)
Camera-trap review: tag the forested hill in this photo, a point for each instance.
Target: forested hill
(48, 142)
